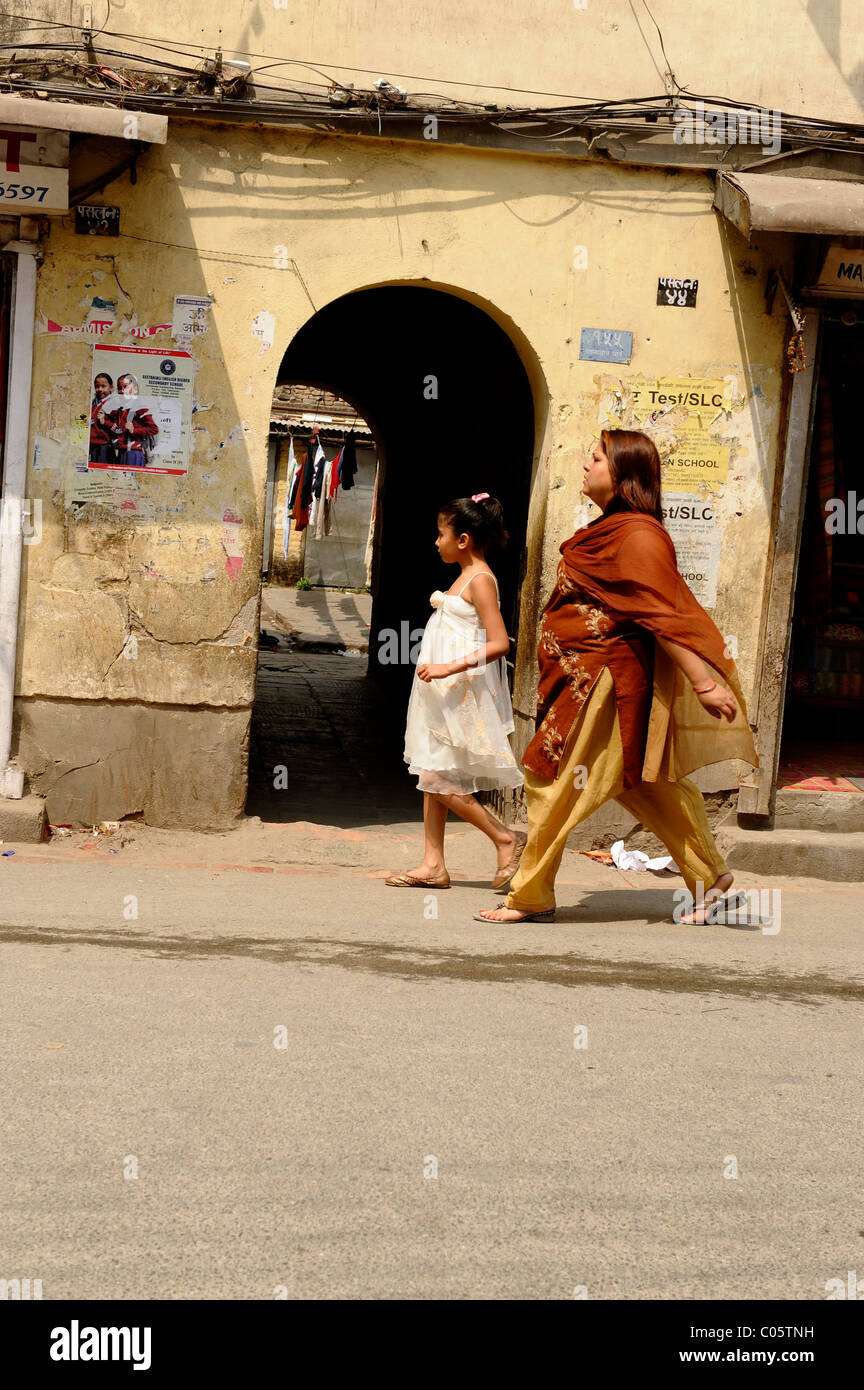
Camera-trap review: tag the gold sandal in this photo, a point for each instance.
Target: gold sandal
(546, 915)
(409, 881)
(503, 876)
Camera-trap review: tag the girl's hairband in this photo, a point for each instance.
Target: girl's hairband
(480, 497)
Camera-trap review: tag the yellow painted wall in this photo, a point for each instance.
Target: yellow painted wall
(274, 223)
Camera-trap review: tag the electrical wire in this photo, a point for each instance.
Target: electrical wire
(803, 129)
(591, 106)
(622, 112)
(300, 62)
(258, 261)
(662, 47)
(107, 17)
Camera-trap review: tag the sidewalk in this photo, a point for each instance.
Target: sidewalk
(318, 618)
(316, 850)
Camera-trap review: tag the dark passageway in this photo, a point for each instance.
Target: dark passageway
(451, 408)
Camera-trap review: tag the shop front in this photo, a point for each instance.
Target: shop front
(810, 685)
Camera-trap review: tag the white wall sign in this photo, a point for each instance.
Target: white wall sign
(34, 188)
(190, 315)
(842, 272)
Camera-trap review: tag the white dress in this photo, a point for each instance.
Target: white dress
(456, 734)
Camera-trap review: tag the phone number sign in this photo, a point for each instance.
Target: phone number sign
(36, 186)
(34, 169)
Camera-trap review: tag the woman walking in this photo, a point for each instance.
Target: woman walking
(628, 699)
(459, 713)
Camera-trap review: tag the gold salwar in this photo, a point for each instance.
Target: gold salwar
(591, 773)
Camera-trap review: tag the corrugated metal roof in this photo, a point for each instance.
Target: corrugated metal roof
(300, 408)
(284, 424)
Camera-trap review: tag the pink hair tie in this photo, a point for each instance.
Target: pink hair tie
(480, 497)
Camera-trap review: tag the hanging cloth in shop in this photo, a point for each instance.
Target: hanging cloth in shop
(349, 461)
(292, 471)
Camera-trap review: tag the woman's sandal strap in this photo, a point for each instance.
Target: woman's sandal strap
(410, 881)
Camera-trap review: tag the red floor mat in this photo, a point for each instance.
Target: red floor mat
(817, 767)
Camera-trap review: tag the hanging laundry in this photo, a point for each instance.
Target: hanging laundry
(335, 478)
(318, 464)
(323, 521)
(349, 461)
(291, 474)
(299, 503)
(296, 481)
(370, 538)
(306, 494)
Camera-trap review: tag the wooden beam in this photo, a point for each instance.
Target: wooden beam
(756, 793)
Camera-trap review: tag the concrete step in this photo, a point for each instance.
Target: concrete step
(22, 820)
(827, 854)
(801, 810)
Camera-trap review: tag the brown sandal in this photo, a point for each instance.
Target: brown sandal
(409, 881)
(503, 876)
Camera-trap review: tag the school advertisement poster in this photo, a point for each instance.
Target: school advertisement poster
(689, 408)
(140, 410)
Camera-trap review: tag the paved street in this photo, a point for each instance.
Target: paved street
(410, 1045)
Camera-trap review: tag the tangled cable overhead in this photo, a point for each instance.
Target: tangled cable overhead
(201, 84)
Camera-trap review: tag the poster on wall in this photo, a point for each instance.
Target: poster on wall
(696, 537)
(140, 410)
(690, 409)
(686, 418)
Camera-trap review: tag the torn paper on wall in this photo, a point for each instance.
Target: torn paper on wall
(264, 329)
(695, 534)
(231, 543)
(191, 316)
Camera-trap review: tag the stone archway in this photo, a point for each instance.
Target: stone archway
(453, 411)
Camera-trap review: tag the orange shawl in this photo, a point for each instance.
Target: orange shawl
(619, 587)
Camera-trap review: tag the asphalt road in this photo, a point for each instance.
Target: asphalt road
(325, 1092)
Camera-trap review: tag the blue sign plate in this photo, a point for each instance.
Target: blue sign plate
(606, 345)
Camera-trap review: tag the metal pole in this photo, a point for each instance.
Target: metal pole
(14, 487)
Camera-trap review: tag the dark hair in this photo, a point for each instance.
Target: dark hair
(483, 521)
(106, 377)
(634, 466)
(127, 376)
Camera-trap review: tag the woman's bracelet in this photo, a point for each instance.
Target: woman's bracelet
(707, 689)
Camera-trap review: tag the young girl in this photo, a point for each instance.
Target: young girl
(460, 714)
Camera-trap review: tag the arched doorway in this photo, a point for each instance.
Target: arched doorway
(451, 408)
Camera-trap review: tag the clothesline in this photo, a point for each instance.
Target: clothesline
(312, 486)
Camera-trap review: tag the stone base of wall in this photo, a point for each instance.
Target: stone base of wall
(94, 761)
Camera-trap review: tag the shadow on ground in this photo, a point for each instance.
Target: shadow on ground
(338, 736)
(418, 962)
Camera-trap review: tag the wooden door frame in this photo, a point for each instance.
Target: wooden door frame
(757, 791)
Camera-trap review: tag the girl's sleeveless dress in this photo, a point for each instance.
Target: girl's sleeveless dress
(456, 734)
